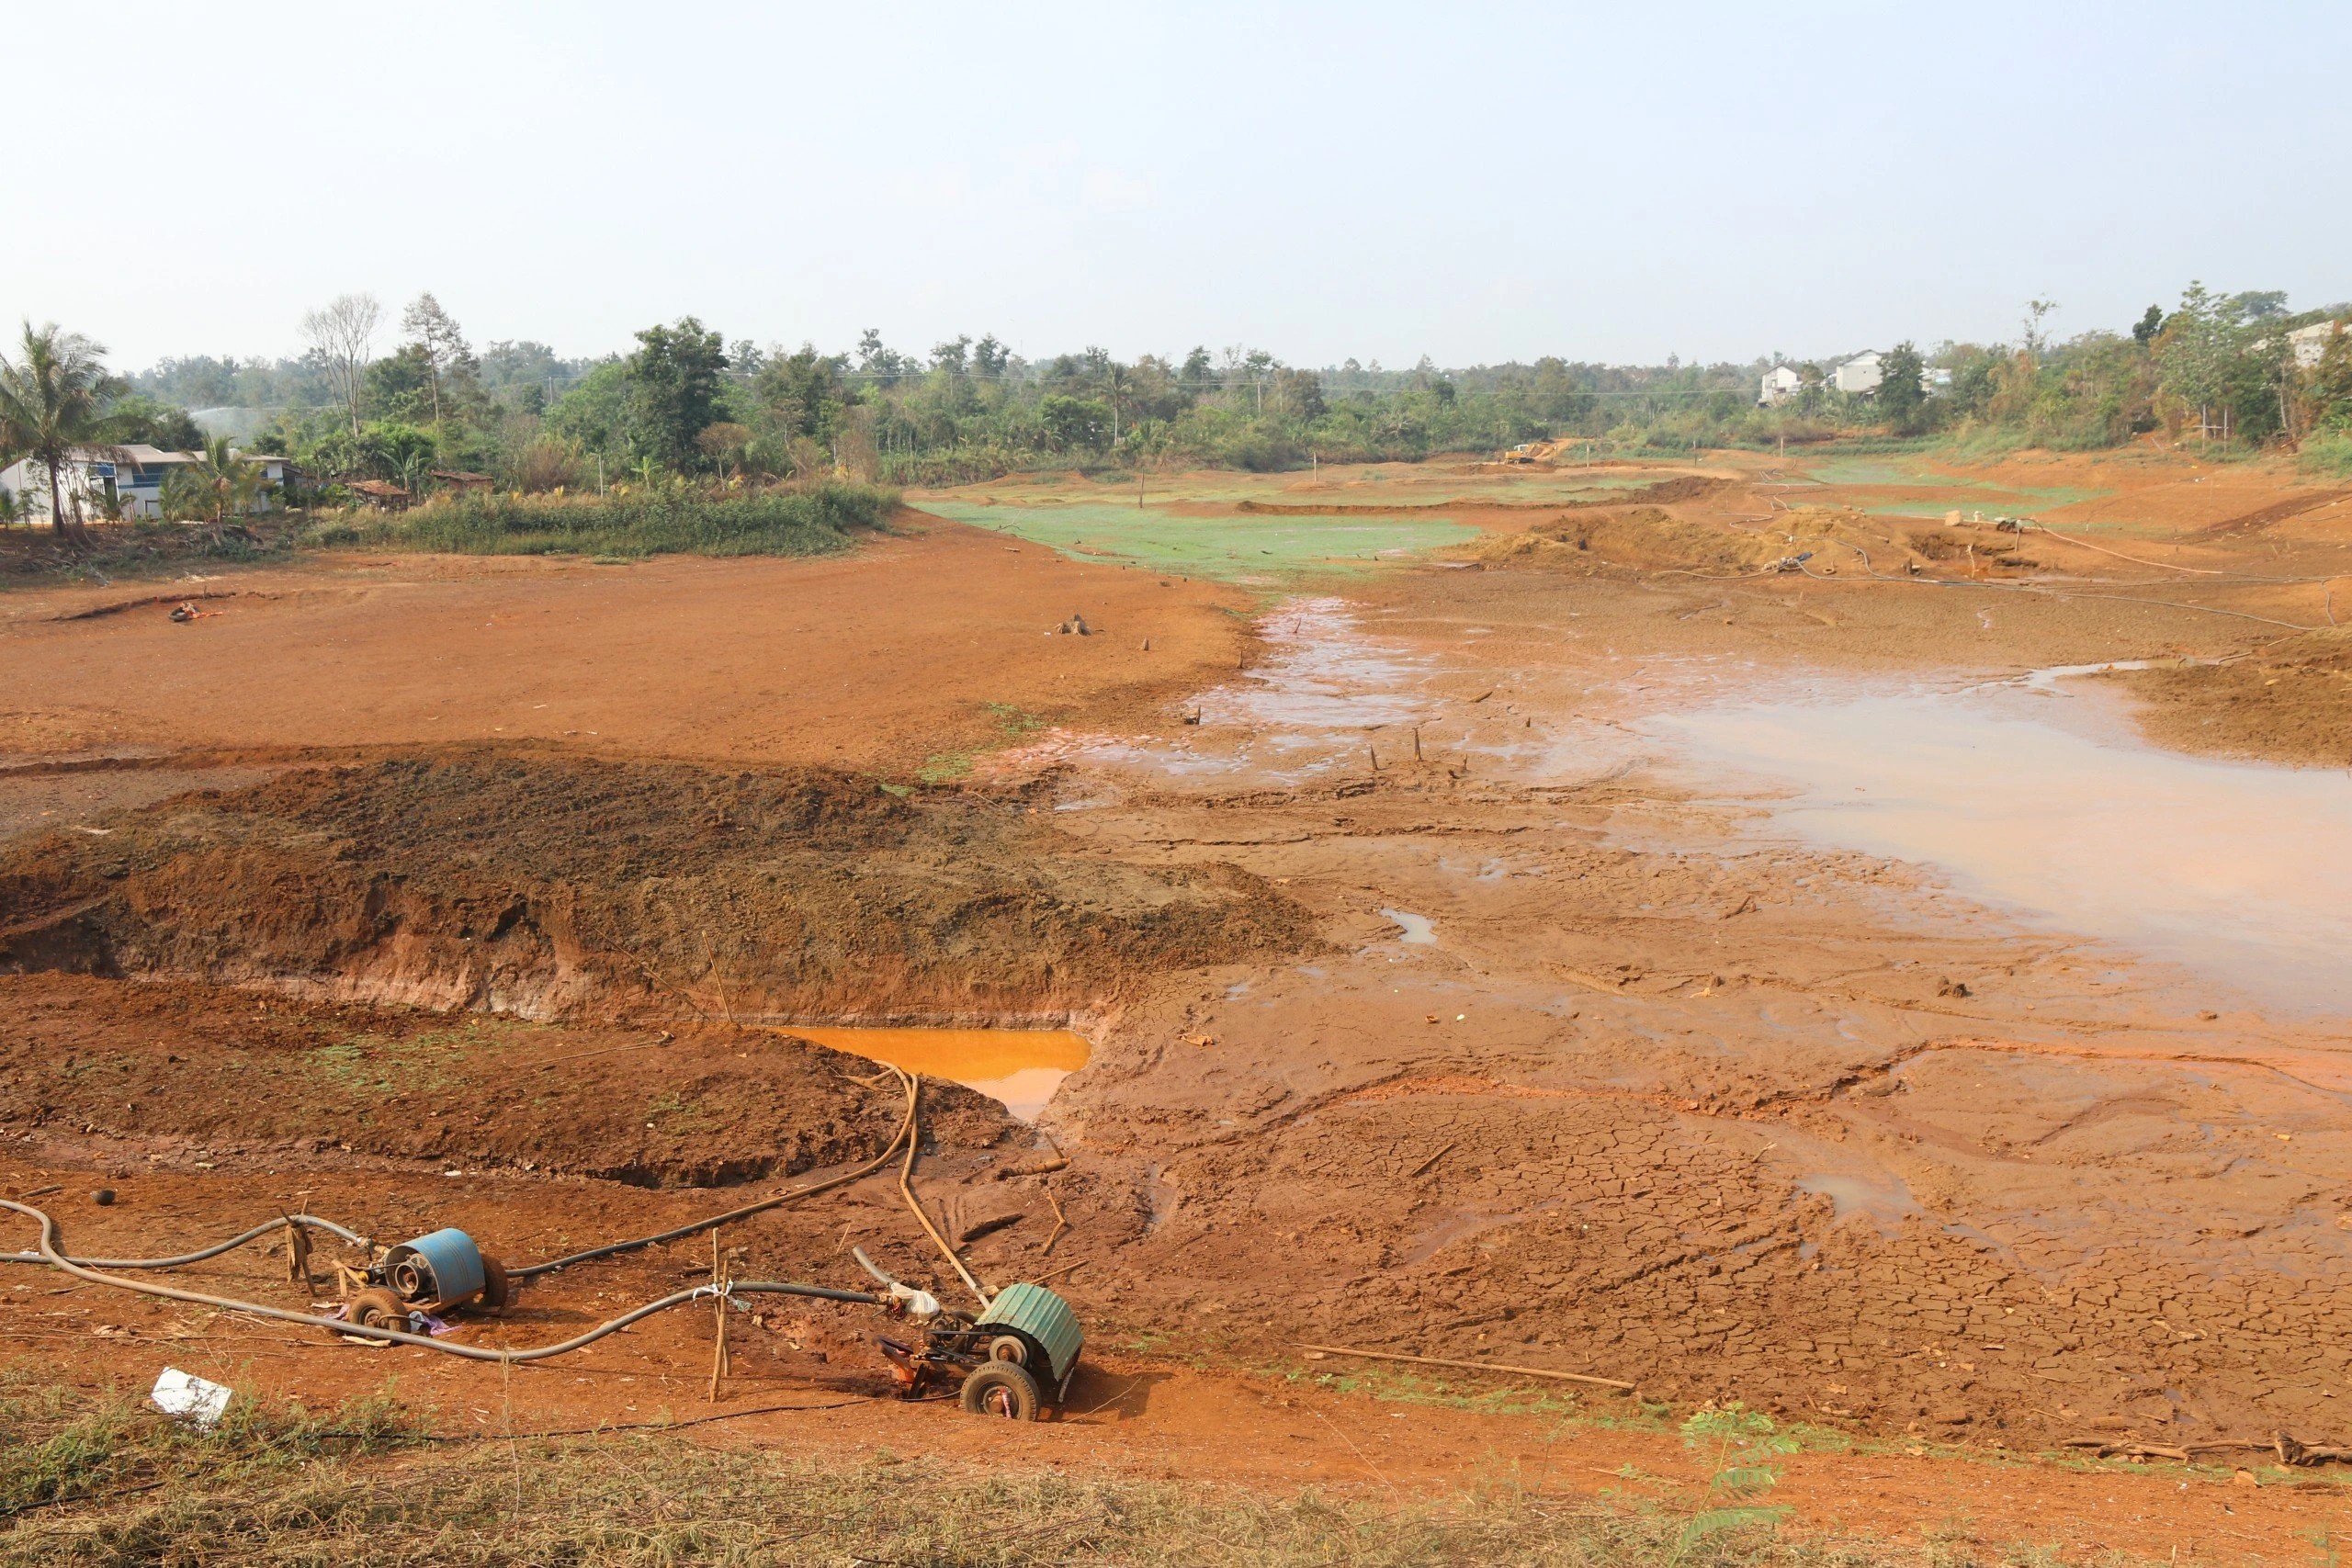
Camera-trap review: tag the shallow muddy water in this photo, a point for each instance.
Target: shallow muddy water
(1021, 1067)
(2030, 795)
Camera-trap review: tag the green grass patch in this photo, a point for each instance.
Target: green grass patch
(2328, 455)
(820, 520)
(1229, 549)
(60, 1444)
(101, 1480)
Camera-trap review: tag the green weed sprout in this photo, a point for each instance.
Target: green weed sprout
(1741, 1446)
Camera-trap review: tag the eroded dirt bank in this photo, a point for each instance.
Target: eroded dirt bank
(553, 887)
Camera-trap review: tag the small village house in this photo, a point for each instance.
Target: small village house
(126, 480)
(1860, 375)
(1780, 383)
(1864, 373)
(2309, 344)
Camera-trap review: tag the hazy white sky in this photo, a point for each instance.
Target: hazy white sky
(1472, 182)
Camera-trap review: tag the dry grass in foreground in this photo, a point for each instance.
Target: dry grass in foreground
(101, 1480)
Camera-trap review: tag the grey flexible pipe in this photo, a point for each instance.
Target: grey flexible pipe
(185, 1258)
(50, 1254)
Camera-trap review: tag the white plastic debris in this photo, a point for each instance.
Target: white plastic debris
(191, 1397)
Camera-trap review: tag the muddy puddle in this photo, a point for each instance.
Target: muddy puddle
(2033, 797)
(1020, 1068)
(1333, 699)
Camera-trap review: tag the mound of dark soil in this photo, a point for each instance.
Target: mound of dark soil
(558, 887)
(1665, 492)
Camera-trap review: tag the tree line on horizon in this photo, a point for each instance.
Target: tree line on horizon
(688, 403)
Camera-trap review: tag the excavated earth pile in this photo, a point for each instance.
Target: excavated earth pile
(1649, 537)
(558, 887)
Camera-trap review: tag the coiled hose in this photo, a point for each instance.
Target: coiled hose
(90, 1268)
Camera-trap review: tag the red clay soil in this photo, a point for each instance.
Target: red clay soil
(1326, 1423)
(182, 1072)
(918, 647)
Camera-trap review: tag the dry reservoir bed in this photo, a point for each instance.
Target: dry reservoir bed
(1435, 997)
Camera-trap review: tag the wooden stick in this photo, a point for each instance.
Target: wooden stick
(1061, 1223)
(1429, 1162)
(1472, 1366)
(719, 1347)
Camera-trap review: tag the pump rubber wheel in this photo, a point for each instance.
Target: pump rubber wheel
(378, 1308)
(1002, 1389)
(497, 1289)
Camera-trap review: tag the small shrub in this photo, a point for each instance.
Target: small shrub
(655, 520)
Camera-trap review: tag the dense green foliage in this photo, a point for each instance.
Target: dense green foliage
(671, 518)
(53, 393)
(688, 403)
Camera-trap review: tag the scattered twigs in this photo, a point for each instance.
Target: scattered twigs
(1472, 1366)
(2286, 1448)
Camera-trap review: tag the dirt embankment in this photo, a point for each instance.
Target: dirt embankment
(184, 1072)
(560, 888)
(2290, 704)
(1830, 540)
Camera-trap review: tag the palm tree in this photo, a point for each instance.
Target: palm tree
(50, 402)
(230, 484)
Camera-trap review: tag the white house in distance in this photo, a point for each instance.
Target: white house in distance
(1780, 383)
(1864, 373)
(2310, 343)
(101, 478)
(1859, 374)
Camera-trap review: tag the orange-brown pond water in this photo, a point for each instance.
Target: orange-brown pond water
(1022, 1067)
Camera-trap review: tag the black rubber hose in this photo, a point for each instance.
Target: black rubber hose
(523, 1271)
(905, 1135)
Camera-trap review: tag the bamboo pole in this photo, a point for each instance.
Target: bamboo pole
(1471, 1366)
